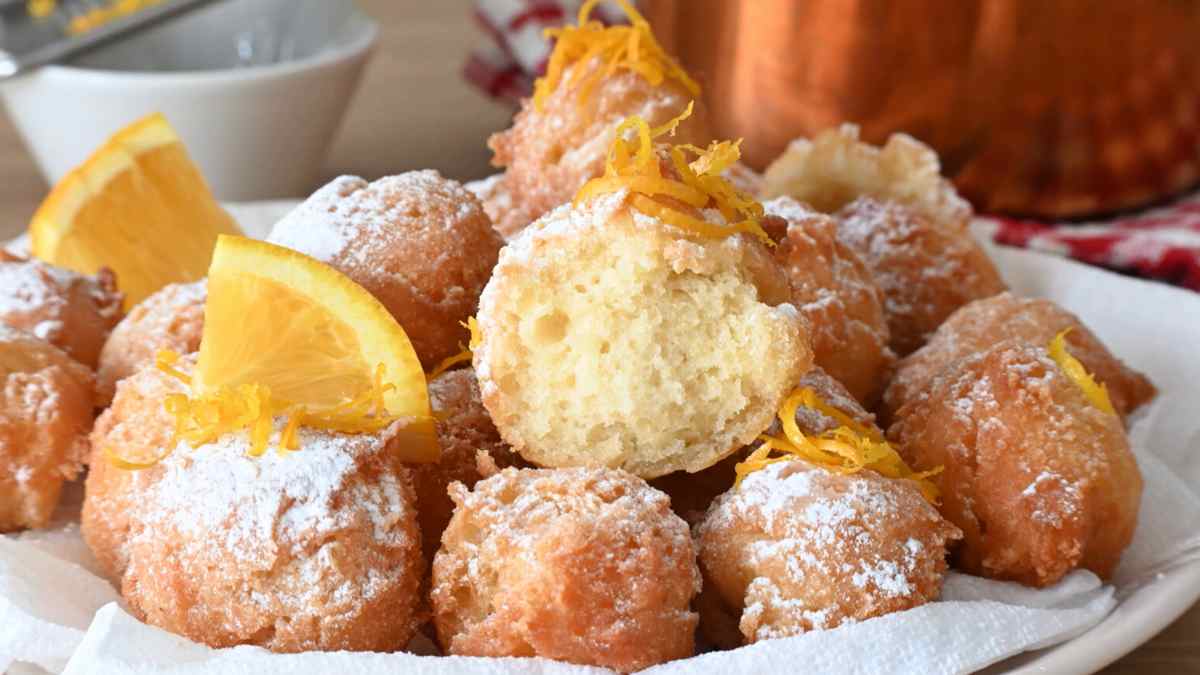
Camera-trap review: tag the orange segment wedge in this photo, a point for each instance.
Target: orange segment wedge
(138, 205)
(279, 318)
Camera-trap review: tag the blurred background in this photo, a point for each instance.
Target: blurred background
(1046, 113)
(412, 110)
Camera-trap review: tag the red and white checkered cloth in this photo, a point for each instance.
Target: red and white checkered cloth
(1162, 244)
(506, 66)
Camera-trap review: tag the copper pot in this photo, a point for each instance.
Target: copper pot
(1051, 108)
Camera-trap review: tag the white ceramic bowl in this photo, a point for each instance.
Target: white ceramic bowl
(257, 131)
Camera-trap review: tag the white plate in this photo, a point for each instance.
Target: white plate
(1143, 611)
(1165, 324)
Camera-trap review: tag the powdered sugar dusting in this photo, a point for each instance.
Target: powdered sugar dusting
(826, 547)
(353, 223)
(34, 288)
(267, 500)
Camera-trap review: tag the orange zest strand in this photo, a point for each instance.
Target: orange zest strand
(847, 449)
(633, 164)
(40, 9)
(204, 418)
(463, 356)
(1096, 392)
(632, 47)
(128, 465)
(165, 361)
(100, 14)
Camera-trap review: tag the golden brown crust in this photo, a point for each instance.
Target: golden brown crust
(1039, 480)
(587, 566)
(797, 547)
(612, 339)
(135, 426)
(317, 549)
(72, 311)
(836, 292)
(172, 318)
(419, 242)
(925, 270)
(45, 413)
(551, 153)
(464, 430)
(983, 323)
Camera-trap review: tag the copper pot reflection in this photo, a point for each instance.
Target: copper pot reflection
(1051, 108)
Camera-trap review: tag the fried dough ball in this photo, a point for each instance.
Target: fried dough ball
(587, 566)
(316, 549)
(835, 168)
(464, 430)
(692, 493)
(833, 288)
(420, 243)
(71, 311)
(45, 413)
(172, 318)
(136, 424)
(983, 323)
(799, 547)
(493, 194)
(1039, 479)
(551, 153)
(925, 270)
(612, 339)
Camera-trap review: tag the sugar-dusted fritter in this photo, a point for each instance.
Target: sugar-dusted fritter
(74, 312)
(45, 414)
(172, 318)
(595, 79)
(1037, 470)
(836, 292)
(983, 323)
(418, 242)
(835, 168)
(588, 566)
(799, 547)
(312, 549)
(925, 269)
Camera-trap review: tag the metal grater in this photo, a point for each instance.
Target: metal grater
(27, 41)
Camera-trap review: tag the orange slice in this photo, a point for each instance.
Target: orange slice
(280, 319)
(138, 205)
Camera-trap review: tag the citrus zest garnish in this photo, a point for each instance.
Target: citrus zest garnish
(99, 15)
(165, 361)
(203, 418)
(463, 356)
(122, 463)
(631, 47)
(847, 449)
(40, 9)
(1096, 392)
(634, 164)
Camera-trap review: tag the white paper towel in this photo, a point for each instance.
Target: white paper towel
(48, 596)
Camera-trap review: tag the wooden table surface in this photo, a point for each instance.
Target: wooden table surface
(413, 111)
